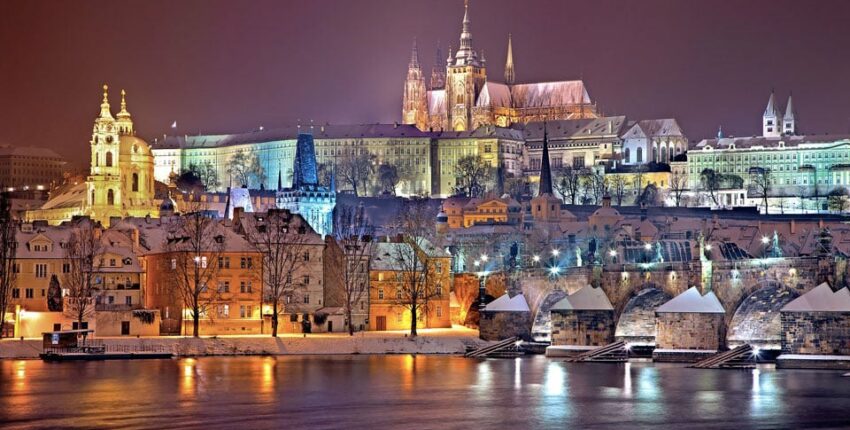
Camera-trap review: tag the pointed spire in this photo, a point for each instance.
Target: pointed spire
(414, 56)
(789, 110)
(104, 106)
(279, 180)
(770, 110)
(123, 113)
(439, 55)
(545, 169)
(509, 64)
(449, 58)
(720, 132)
(465, 54)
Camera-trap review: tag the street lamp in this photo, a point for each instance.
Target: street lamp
(536, 258)
(482, 288)
(555, 252)
(554, 270)
(765, 240)
(612, 253)
(484, 258)
(647, 246)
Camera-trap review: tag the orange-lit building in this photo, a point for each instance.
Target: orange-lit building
(233, 299)
(395, 266)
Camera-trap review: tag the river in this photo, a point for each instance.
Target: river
(418, 392)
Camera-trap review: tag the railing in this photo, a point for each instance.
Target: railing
(98, 347)
(117, 306)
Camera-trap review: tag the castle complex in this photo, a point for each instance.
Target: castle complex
(462, 98)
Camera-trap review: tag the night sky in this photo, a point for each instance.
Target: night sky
(227, 66)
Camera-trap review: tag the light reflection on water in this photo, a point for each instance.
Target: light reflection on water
(395, 391)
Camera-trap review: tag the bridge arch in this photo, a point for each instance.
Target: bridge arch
(756, 320)
(541, 328)
(637, 320)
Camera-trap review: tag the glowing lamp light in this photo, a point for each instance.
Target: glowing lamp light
(476, 263)
(708, 247)
(756, 352)
(555, 270)
(765, 240)
(647, 246)
(536, 258)
(555, 252)
(612, 253)
(484, 257)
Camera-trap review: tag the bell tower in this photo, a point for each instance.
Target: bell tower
(414, 104)
(103, 195)
(466, 76)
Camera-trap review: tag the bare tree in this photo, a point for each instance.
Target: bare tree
(245, 166)
(355, 169)
(568, 184)
(837, 200)
(283, 240)
(472, 174)
(83, 256)
(416, 286)
(710, 182)
(516, 187)
(388, 176)
(678, 185)
(639, 177)
(618, 185)
(8, 248)
(760, 183)
(194, 242)
(648, 196)
(599, 187)
(350, 271)
(206, 173)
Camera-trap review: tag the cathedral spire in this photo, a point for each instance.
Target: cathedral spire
(509, 64)
(104, 106)
(465, 54)
(414, 56)
(438, 72)
(789, 121)
(545, 169)
(449, 58)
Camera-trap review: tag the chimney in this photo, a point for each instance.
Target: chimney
(793, 226)
(237, 215)
(134, 233)
(606, 201)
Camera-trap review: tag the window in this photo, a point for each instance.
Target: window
(135, 185)
(224, 262)
(224, 286)
(16, 293)
(398, 294)
(306, 256)
(66, 267)
(439, 311)
(30, 293)
(41, 270)
(110, 198)
(626, 155)
(245, 287)
(439, 290)
(306, 299)
(173, 263)
(439, 267)
(108, 159)
(381, 293)
(398, 316)
(224, 311)
(639, 155)
(111, 262)
(128, 300)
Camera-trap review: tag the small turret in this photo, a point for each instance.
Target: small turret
(771, 126)
(789, 121)
(509, 64)
(124, 122)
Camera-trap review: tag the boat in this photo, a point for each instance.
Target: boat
(77, 345)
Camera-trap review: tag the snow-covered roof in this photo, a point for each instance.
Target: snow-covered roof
(436, 102)
(587, 298)
(494, 95)
(692, 302)
(821, 299)
(506, 303)
(547, 94)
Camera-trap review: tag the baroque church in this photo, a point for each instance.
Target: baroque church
(120, 182)
(461, 97)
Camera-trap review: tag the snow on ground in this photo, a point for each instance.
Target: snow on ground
(691, 301)
(429, 341)
(821, 299)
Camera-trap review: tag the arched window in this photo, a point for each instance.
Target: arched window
(92, 197)
(627, 155)
(110, 198)
(108, 159)
(135, 186)
(663, 154)
(639, 155)
(654, 154)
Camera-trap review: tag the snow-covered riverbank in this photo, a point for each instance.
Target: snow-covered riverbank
(436, 341)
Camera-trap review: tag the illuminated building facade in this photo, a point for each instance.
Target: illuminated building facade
(121, 177)
(464, 99)
(29, 168)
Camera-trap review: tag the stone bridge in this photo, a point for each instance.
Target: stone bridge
(751, 291)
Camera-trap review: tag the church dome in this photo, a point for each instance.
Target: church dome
(606, 211)
(132, 145)
(442, 217)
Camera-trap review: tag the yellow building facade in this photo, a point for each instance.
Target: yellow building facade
(121, 177)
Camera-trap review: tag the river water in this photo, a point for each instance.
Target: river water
(417, 392)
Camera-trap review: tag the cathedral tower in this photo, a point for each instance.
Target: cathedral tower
(104, 181)
(509, 64)
(771, 126)
(789, 121)
(465, 78)
(414, 109)
(438, 73)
